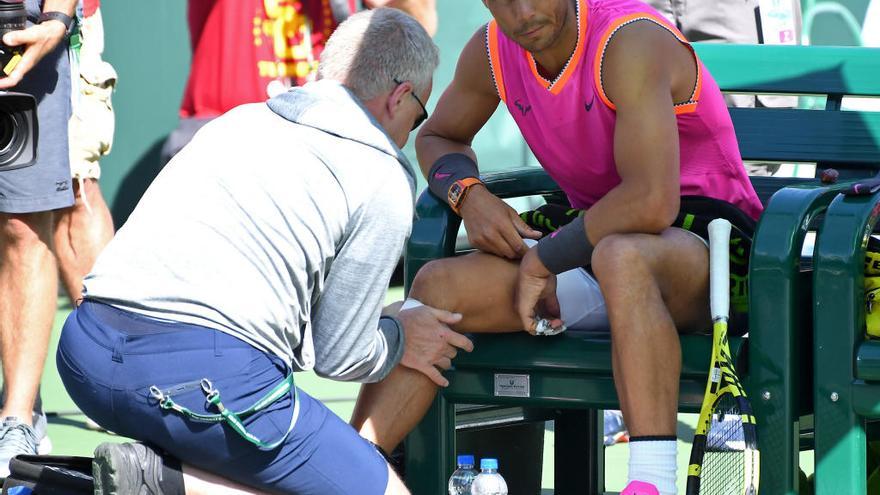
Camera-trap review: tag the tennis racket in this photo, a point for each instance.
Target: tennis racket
(724, 456)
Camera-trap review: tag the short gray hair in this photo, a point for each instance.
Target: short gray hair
(372, 48)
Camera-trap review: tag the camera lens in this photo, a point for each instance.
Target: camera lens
(7, 132)
(12, 16)
(13, 135)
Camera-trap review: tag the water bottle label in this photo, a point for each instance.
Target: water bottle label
(508, 385)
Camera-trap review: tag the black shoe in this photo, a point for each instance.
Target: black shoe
(127, 469)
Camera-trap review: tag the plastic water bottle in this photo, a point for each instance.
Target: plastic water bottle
(489, 482)
(463, 477)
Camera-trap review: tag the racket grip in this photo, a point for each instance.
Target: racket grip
(719, 268)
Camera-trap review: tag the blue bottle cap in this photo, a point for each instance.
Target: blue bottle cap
(489, 463)
(466, 459)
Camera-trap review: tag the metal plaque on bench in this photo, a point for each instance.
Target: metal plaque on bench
(508, 385)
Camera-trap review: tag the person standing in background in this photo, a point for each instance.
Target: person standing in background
(82, 230)
(739, 22)
(28, 196)
(246, 51)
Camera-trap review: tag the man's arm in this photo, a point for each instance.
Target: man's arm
(463, 109)
(461, 112)
(351, 342)
(646, 70)
(349, 345)
(40, 39)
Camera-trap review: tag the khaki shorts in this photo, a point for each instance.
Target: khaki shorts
(91, 125)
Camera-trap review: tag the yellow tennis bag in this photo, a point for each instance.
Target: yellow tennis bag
(872, 287)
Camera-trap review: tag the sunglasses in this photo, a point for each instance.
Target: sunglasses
(421, 118)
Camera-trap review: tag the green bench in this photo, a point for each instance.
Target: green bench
(568, 378)
(847, 366)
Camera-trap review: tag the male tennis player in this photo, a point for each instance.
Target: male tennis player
(620, 112)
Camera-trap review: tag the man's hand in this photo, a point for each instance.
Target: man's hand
(39, 40)
(430, 343)
(536, 293)
(493, 226)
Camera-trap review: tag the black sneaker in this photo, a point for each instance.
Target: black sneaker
(127, 469)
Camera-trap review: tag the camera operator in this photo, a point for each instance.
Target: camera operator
(28, 274)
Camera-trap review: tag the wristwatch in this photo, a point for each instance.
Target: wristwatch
(58, 16)
(458, 190)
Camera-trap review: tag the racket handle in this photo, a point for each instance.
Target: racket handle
(719, 268)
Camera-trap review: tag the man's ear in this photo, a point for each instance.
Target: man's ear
(397, 97)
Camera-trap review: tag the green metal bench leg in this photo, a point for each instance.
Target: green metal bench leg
(838, 324)
(579, 466)
(430, 450)
(775, 325)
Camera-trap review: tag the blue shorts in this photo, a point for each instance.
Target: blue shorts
(108, 359)
(45, 185)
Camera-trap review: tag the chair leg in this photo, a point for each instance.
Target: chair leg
(579, 453)
(430, 449)
(773, 383)
(840, 445)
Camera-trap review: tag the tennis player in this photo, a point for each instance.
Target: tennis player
(618, 109)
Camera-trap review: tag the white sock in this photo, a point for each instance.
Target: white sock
(411, 303)
(654, 461)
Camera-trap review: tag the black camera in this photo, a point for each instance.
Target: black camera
(13, 17)
(18, 130)
(18, 111)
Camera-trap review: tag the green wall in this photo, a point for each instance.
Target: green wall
(148, 44)
(499, 145)
(833, 22)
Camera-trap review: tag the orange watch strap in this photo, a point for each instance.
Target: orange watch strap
(465, 184)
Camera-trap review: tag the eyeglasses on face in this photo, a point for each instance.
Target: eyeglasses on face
(421, 118)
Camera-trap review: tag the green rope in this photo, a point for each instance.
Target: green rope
(234, 419)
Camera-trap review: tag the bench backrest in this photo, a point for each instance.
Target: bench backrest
(848, 141)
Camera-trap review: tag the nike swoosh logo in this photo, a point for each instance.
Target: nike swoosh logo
(589, 106)
(440, 176)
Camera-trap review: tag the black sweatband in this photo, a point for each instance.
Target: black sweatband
(567, 248)
(654, 438)
(448, 169)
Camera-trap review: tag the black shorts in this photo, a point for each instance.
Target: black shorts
(694, 215)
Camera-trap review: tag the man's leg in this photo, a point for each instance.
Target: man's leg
(480, 287)
(198, 482)
(81, 232)
(653, 286)
(28, 284)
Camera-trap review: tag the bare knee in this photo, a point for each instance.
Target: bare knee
(22, 231)
(618, 258)
(433, 282)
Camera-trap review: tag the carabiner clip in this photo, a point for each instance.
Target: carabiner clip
(207, 386)
(156, 393)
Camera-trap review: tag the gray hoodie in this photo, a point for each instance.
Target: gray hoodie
(279, 224)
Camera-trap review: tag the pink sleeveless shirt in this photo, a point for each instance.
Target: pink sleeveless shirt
(569, 123)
